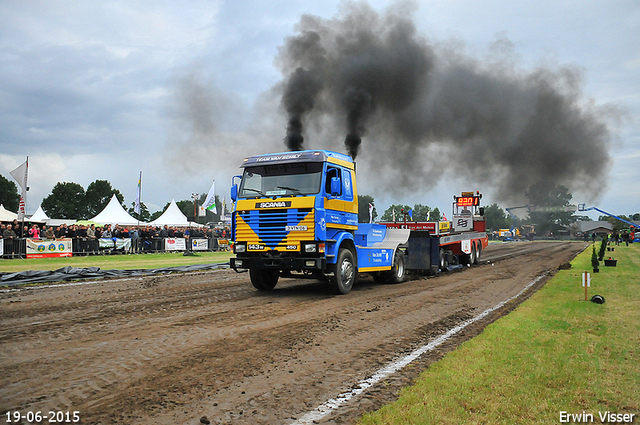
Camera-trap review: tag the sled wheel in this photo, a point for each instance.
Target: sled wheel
(443, 260)
(478, 252)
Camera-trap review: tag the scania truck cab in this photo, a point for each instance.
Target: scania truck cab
(296, 214)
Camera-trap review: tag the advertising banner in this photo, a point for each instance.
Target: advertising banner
(105, 242)
(123, 244)
(200, 244)
(175, 244)
(37, 248)
(115, 243)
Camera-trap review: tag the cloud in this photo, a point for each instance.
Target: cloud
(429, 110)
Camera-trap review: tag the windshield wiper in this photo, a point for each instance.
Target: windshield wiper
(293, 189)
(254, 190)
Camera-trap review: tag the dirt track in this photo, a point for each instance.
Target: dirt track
(171, 349)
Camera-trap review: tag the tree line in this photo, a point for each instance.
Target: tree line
(70, 200)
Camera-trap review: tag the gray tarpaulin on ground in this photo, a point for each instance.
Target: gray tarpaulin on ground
(72, 273)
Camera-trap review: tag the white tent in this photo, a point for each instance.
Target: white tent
(6, 215)
(39, 215)
(113, 213)
(171, 217)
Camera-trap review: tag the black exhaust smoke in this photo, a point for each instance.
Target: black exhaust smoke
(372, 74)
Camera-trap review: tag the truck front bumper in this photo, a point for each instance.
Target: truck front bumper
(279, 263)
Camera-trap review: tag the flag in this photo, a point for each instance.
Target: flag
(202, 212)
(222, 208)
(21, 174)
(210, 202)
(370, 213)
(136, 207)
(428, 215)
(410, 213)
(444, 217)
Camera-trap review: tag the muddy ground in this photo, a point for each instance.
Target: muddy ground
(176, 348)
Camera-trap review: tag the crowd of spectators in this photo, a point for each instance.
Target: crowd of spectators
(86, 239)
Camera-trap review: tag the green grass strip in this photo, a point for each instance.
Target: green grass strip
(555, 353)
(119, 261)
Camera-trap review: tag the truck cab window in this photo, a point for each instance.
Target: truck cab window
(332, 172)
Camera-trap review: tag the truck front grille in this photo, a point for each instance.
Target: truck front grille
(270, 225)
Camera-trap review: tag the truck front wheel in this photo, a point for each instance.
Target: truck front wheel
(345, 273)
(263, 279)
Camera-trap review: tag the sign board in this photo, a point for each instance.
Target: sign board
(175, 244)
(444, 227)
(462, 223)
(37, 248)
(200, 244)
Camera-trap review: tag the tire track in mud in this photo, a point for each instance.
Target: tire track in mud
(169, 349)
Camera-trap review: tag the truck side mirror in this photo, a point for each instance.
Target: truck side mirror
(234, 192)
(234, 188)
(336, 186)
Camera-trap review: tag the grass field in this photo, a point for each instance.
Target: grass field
(555, 353)
(120, 262)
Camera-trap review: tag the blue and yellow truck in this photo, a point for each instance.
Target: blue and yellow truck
(296, 215)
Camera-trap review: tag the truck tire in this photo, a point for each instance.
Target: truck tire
(478, 252)
(470, 259)
(345, 273)
(443, 260)
(396, 274)
(263, 279)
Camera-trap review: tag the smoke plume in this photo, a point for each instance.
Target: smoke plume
(396, 95)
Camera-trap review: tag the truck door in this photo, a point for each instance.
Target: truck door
(341, 208)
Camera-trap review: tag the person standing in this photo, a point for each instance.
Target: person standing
(135, 239)
(48, 232)
(91, 239)
(9, 236)
(34, 232)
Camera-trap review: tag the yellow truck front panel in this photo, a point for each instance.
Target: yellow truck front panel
(279, 224)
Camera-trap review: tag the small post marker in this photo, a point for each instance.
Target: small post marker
(586, 283)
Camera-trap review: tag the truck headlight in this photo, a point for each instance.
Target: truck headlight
(310, 248)
(240, 247)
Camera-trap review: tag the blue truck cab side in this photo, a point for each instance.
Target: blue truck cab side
(296, 214)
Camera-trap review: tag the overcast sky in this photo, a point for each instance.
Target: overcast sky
(182, 91)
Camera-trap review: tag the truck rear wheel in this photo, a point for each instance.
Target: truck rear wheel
(263, 279)
(345, 273)
(396, 274)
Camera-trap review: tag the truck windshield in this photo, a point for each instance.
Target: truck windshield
(281, 180)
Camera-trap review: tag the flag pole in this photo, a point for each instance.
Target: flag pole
(24, 213)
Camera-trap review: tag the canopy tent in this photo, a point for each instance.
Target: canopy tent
(87, 223)
(6, 215)
(173, 217)
(39, 215)
(113, 213)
